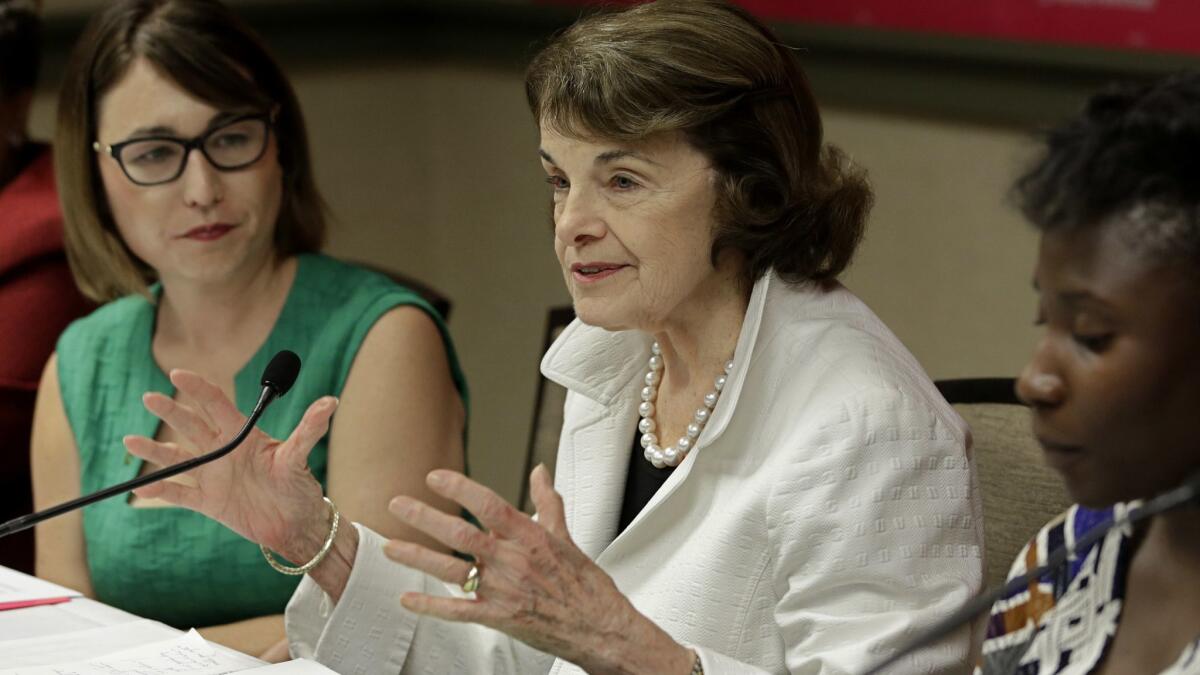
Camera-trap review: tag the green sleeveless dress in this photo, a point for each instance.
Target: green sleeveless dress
(171, 564)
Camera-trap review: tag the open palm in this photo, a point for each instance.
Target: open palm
(262, 490)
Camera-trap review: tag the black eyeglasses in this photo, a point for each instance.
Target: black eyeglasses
(154, 160)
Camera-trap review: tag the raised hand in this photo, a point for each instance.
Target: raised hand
(534, 583)
(263, 489)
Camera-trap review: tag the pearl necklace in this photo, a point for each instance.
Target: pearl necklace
(673, 455)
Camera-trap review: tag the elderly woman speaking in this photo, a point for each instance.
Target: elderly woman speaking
(755, 475)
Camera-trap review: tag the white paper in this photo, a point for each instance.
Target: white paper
(82, 645)
(185, 655)
(18, 587)
(297, 667)
(38, 621)
(66, 617)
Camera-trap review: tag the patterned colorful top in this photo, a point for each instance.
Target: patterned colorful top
(1064, 621)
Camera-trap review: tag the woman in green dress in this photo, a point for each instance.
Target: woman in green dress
(190, 209)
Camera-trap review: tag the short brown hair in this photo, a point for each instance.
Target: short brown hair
(209, 52)
(712, 71)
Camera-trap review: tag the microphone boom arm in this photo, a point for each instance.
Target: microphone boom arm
(25, 522)
(1164, 502)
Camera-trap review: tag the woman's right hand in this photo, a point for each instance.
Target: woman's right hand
(262, 490)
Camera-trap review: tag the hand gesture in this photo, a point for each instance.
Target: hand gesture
(533, 582)
(263, 489)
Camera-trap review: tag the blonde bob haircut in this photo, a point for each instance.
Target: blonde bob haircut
(711, 71)
(208, 51)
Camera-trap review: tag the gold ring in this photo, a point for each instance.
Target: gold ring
(472, 582)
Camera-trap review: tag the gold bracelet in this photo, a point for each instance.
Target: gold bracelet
(297, 571)
(698, 665)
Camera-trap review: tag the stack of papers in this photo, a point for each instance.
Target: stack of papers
(186, 654)
(19, 590)
(81, 645)
(45, 637)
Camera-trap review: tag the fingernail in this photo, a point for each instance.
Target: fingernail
(406, 601)
(435, 479)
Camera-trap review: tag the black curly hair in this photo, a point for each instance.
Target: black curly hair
(1133, 155)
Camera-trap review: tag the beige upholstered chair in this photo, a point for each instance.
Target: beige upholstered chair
(1020, 493)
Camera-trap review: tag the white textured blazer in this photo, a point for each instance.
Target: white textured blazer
(827, 512)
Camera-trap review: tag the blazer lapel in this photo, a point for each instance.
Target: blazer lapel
(593, 464)
(743, 352)
(601, 371)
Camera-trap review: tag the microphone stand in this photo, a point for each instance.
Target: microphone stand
(279, 376)
(1166, 501)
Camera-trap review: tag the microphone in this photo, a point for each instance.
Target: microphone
(1186, 493)
(278, 377)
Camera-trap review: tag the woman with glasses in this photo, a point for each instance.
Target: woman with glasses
(190, 209)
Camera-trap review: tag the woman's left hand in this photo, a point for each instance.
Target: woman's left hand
(535, 584)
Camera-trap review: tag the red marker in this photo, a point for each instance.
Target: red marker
(18, 604)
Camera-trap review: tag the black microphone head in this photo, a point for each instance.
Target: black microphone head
(280, 374)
